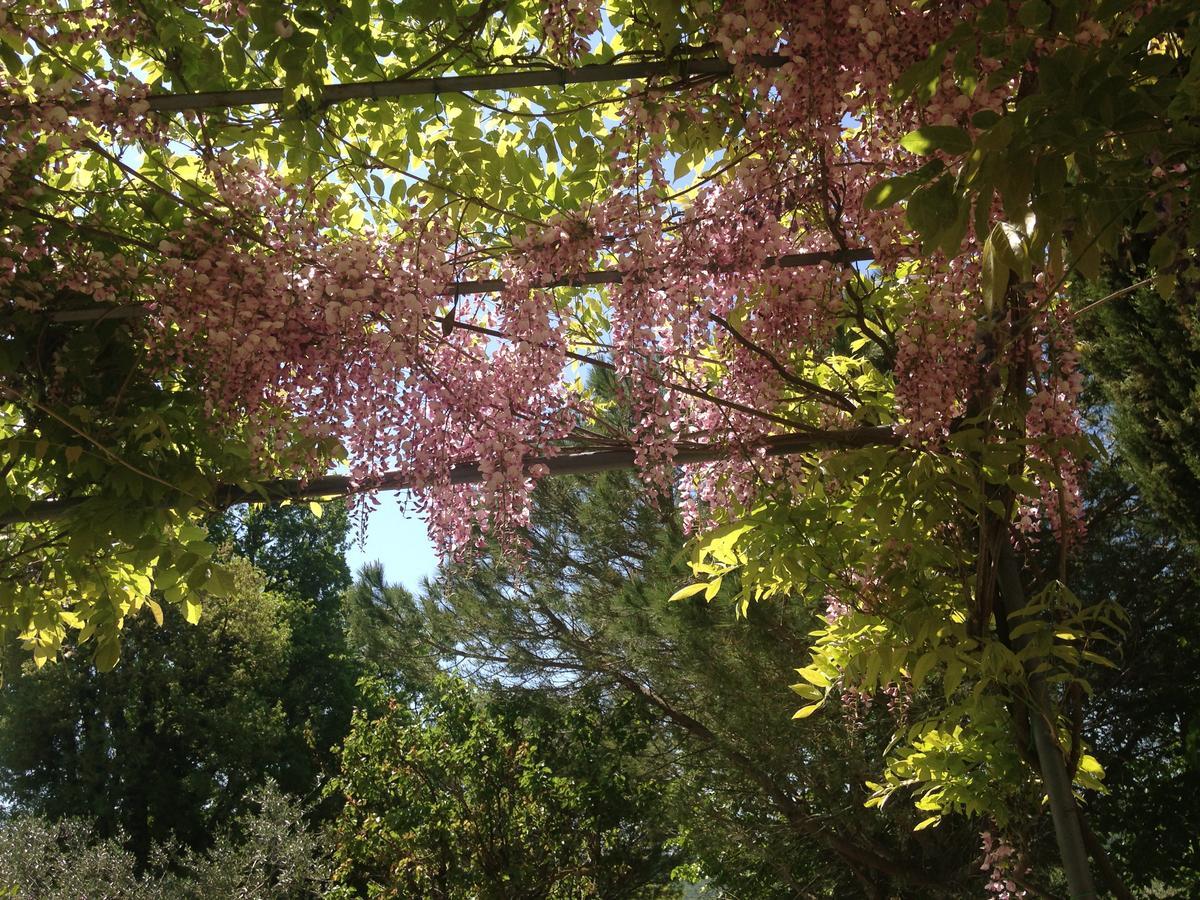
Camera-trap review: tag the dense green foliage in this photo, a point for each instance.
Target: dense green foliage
(758, 800)
(169, 745)
(1145, 713)
(267, 853)
(761, 805)
(458, 792)
(1145, 352)
(596, 736)
(303, 557)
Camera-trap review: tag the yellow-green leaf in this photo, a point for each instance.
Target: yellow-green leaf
(813, 675)
(107, 655)
(806, 711)
(808, 691)
(713, 588)
(191, 611)
(928, 138)
(690, 591)
(921, 669)
(954, 675)
(189, 533)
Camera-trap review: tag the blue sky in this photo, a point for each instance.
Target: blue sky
(397, 540)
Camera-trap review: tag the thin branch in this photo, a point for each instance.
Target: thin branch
(1113, 296)
(798, 817)
(682, 388)
(790, 377)
(377, 162)
(84, 226)
(154, 185)
(107, 453)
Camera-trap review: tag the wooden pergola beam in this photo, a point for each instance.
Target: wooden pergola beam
(577, 462)
(495, 285)
(595, 73)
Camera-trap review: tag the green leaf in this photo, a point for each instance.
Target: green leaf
(1031, 627)
(1034, 14)
(316, 509)
(714, 587)
(806, 711)
(683, 166)
(926, 823)
(1164, 251)
(191, 610)
(1086, 252)
(999, 135)
(993, 275)
(310, 19)
(189, 533)
(12, 60)
(235, 59)
(950, 238)
(1012, 249)
(808, 691)
(203, 549)
(922, 78)
(814, 676)
(929, 138)
(1098, 659)
(107, 654)
(690, 591)
(955, 671)
(932, 207)
(720, 543)
(220, 582)
(921, 669)
(890, 191)
(985, 118)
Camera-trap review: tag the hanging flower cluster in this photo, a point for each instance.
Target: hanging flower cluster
(42, 123)
(361, 338)
(567, 24)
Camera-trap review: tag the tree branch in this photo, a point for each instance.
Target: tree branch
(790, 377)
(796, 816)
(682, 388)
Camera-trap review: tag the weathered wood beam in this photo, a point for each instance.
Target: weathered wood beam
(495, 285)
(456, 84)
(578, 462)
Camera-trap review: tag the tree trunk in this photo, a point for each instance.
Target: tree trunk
(1050, 759)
